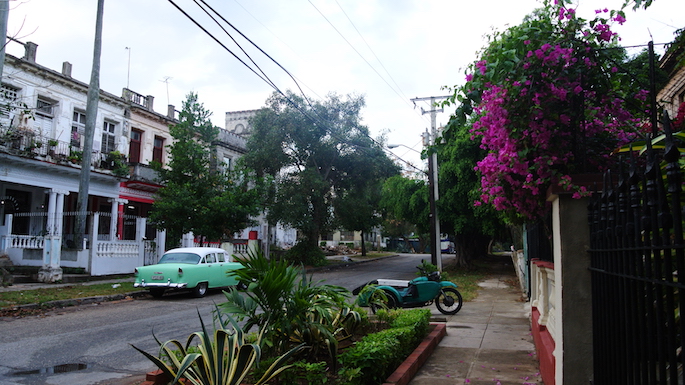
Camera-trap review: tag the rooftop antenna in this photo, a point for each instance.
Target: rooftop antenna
(166, 80)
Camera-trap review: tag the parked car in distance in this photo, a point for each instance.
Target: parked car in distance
(190, 268)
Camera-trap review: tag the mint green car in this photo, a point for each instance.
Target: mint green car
(192, 268)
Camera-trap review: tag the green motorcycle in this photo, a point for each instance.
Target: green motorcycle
(420, 291)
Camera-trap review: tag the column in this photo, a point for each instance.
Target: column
(52, 217)
(59, 210)
(116, 224)
(573, 290)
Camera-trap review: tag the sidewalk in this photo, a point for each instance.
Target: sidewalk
(489, 340)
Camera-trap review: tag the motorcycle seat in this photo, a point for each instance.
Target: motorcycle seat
(393, 283)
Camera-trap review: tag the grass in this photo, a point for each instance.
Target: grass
(11, 299)
(466, 278)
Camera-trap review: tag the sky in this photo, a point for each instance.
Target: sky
(389, 51)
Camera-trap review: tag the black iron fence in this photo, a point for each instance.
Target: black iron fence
(637, 255)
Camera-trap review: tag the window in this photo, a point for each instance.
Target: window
(43, 117)
(8, 96)
(78, 127)
(227, 164)
(109, 143)
(346, 235)
(158, 149)
(44, 107)
(135, 145)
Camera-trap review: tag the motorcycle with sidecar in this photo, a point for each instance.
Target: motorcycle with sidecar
(420, 291)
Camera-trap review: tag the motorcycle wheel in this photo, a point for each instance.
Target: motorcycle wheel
(389, 303)
(449, 301)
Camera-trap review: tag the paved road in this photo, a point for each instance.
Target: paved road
(98, 336)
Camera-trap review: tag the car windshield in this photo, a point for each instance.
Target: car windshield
(180, 258)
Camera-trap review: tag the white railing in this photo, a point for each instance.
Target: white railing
(543, 291)
(24, 241)
(118, 249)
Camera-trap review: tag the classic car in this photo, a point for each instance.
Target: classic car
(191, 268)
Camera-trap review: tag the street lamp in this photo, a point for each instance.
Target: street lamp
(436, 247)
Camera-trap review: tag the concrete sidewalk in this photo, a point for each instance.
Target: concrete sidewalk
(489, 340)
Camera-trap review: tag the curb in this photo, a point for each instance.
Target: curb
(408, 369)
(81, 301)
(346, 264)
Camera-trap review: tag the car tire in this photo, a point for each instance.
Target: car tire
(157, 293)
(200, 290)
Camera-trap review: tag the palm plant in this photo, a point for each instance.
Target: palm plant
(222, 359)
(291, 309)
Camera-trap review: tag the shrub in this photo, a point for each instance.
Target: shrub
(374, 355)
(306, 255)
(378, 354)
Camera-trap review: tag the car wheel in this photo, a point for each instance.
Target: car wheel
(200, 290)
(157, 293)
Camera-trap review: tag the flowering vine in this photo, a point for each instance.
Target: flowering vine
(543, 101)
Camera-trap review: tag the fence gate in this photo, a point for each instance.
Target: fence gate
(150, 252)
(637, 256)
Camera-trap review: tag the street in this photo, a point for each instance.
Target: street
(90, 343)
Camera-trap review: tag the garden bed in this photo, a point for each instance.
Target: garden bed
(404, 373)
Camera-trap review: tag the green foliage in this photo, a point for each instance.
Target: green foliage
(306, 254)
(218, 359)
(374, 355)
(406, 208)
(320, 160)
(283, 302)
(426, 268)
(378, 354)
(306, 372)
(118, 163)
(417, 319)
(471, 226)
(195, 197)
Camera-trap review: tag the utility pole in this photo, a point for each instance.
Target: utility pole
(4, 14)
(91, 118)
(429, 140)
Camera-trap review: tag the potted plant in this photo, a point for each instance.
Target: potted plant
(116, 161)
(52, 143)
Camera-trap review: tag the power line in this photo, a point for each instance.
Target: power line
(404, 97)
(358, 53)
(265, 78)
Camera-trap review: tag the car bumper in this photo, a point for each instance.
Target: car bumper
(167, 284)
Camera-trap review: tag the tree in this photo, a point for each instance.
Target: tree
(546, 103)
(406, 209)
(472, 226)
(313, 152)
(358, 198)
(211, 203)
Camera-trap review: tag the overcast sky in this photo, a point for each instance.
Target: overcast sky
(390, 51)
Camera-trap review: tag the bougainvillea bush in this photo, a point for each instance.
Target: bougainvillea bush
(547, 100)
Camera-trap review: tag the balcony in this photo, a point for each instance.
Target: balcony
(28, 144)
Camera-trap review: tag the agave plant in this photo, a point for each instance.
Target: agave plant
(223, 358)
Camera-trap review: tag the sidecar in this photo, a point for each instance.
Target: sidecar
(414, 293)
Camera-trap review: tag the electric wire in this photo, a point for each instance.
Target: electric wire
(281, 40)
(270, 83)
(372, 51)
(358, 53)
